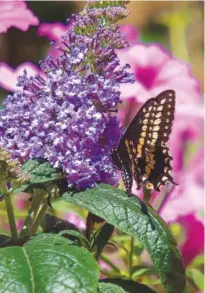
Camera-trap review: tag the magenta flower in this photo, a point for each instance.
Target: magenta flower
(16, 13)
(187, 128)
(21, 201)
(76, 220)
(192, 226)
(155, 71)
(187, 198)
(19, 224)
(52, 31)
(9, 76)
(130, 32)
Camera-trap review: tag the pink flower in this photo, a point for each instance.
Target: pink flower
(187, 128)
(187, 198)
(22, 200)
(130, 32)
(52, 31)
(19, 224)
(16, 13)
(8, 75)
(156, 70)
(75, 219)
(193, 227)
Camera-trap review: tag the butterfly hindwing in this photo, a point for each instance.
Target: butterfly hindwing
(143, 146)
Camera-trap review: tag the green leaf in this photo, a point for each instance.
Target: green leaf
(76, 234)
(41, 266)
(132, 216)
(110, 288)
(41, 171)
(46, 238)
(197, 277)
(127, 285)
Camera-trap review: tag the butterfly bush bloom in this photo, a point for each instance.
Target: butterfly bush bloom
(66, 116)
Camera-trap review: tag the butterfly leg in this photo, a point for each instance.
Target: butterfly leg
(127, 177)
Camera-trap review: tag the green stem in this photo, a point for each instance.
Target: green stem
(131, 253)
(11, 217)
(35, 205)
(39, 218)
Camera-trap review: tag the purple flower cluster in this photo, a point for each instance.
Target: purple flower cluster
(66, 114)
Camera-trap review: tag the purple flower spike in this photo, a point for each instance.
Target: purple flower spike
(66, 114)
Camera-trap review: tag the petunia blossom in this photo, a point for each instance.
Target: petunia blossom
(53, 31)
(130, 31)
(192, 226)
(155, 71)
(9, 76)
(16, 14)
(187, 197)
(75, 219)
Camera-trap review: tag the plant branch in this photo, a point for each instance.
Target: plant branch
(39, 218)
(131, 254)
(35, 205)
(11, 217)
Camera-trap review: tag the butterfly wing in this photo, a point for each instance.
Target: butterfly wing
(143, 147)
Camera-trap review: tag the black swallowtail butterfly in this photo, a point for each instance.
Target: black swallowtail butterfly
(142, 153)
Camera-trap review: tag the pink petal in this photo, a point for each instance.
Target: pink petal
(8, 75)
(155, 71)
(130, 32)
(187, 198)
(75, 219)
(16, 13)
(190, 248)
(53, 31)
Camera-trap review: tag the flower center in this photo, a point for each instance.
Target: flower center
(146, 75)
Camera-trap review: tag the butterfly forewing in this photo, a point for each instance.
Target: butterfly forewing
(143, 146)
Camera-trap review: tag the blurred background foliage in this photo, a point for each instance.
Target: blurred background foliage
(179, 27)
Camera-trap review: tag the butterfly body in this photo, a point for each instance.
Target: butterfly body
(142, 153)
